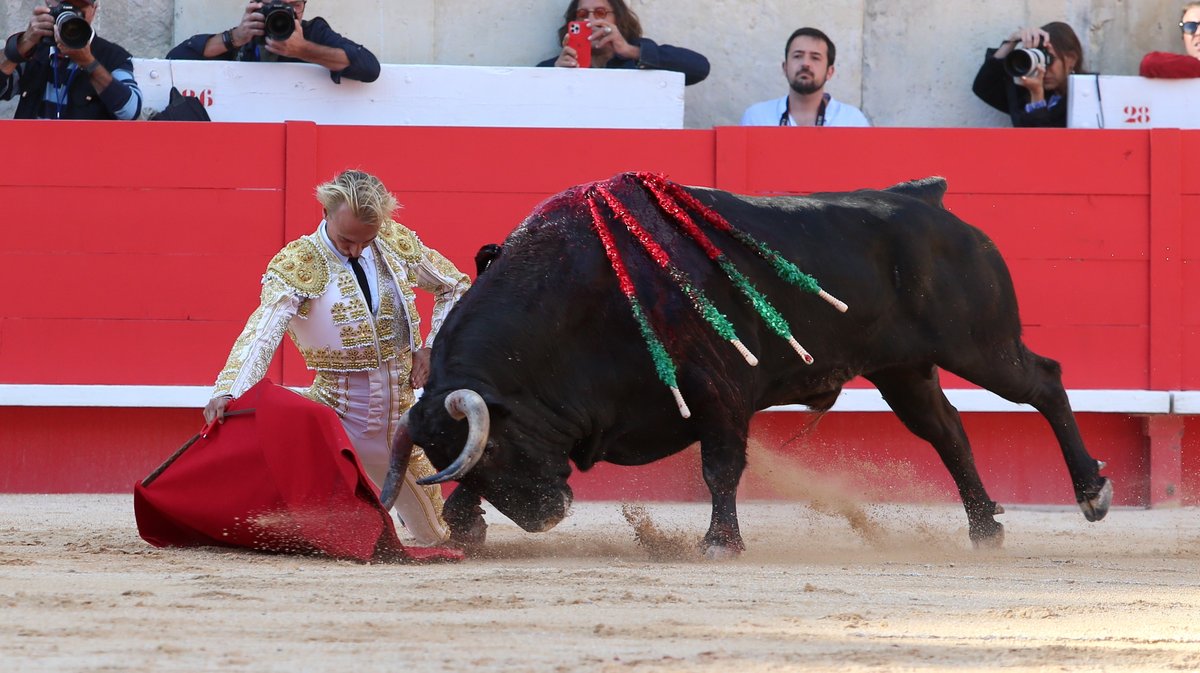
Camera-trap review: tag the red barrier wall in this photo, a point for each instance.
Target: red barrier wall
(142, 268)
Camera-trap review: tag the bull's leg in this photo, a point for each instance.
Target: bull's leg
(1025, 377)
(464, 514)
(723, 458)
(916, 396)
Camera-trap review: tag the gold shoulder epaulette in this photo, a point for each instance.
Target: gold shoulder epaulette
(301, 266)
(400, 239)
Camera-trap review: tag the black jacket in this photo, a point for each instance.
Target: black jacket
(82, 101)
(996, 88)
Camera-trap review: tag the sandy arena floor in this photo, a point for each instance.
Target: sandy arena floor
(840, 587)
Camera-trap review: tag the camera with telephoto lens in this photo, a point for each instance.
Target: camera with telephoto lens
(74, 30)
(1023, 62)
(280, 20)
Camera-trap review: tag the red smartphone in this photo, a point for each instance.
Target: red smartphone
(578, 38)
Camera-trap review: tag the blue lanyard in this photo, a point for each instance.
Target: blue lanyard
(61, 95)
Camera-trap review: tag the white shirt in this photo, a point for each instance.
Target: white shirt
(768, 112)
(367, 262)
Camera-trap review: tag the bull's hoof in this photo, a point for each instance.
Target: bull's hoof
(989, 535)
(717, 552)
(1096, 507)
(469, 537)
(722, 547)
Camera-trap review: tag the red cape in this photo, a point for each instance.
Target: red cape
(282, 478)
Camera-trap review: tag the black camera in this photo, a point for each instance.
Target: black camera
(74, 30)
(280, 20)
(1022, 62)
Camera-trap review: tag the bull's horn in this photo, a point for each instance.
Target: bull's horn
(467, 404)
(402, 446)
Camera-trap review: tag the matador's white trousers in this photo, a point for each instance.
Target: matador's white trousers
(370, 404)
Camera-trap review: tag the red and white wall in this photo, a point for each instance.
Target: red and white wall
(131, 255)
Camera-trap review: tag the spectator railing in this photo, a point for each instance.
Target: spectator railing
(421, 95)
(1113, 102)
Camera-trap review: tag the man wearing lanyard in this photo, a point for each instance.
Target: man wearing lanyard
(345, 295)
(61, 69)
(807, 65)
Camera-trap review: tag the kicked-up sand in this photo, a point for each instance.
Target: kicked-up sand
(825, 585)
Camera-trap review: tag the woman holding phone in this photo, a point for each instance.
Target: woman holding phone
(615, 35)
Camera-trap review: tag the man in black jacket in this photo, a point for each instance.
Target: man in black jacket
(311, 42)
(91, 78)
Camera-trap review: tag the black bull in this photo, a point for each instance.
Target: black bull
(544, 361)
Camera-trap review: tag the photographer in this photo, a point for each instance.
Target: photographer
(617, 42)
(1037, 97)
(258, 38)
(61, 69)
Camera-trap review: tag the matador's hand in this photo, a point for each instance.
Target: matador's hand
(420, 368)
(215, 409)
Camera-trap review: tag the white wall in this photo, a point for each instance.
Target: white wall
(906, 62)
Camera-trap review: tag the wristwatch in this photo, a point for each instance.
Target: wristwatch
(227, 40)
(91, 67)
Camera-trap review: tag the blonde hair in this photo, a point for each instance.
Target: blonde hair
(368, 199)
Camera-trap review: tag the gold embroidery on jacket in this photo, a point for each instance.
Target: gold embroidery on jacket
(247, 356)
(355, 360)
(401, 239)
(340, 313)
(307, 270)
(300, 266)
(355, 336)
(331, 389)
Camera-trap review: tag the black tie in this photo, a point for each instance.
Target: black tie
(362, 280)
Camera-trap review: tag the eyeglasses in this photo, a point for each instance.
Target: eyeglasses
(603, 12)
(1189, 27)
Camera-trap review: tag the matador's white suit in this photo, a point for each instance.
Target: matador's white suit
(362, 355)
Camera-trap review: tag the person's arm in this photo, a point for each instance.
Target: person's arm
(990, 82)
(10, 78)
(317, 43)
(20, 46)
(654, 56)
(1166, 65)
(254, 348)
(201, 47)
(113, 81)
(118, 90)
(438, 275)
(223, 45)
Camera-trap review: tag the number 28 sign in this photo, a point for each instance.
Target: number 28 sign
(1136, 114)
